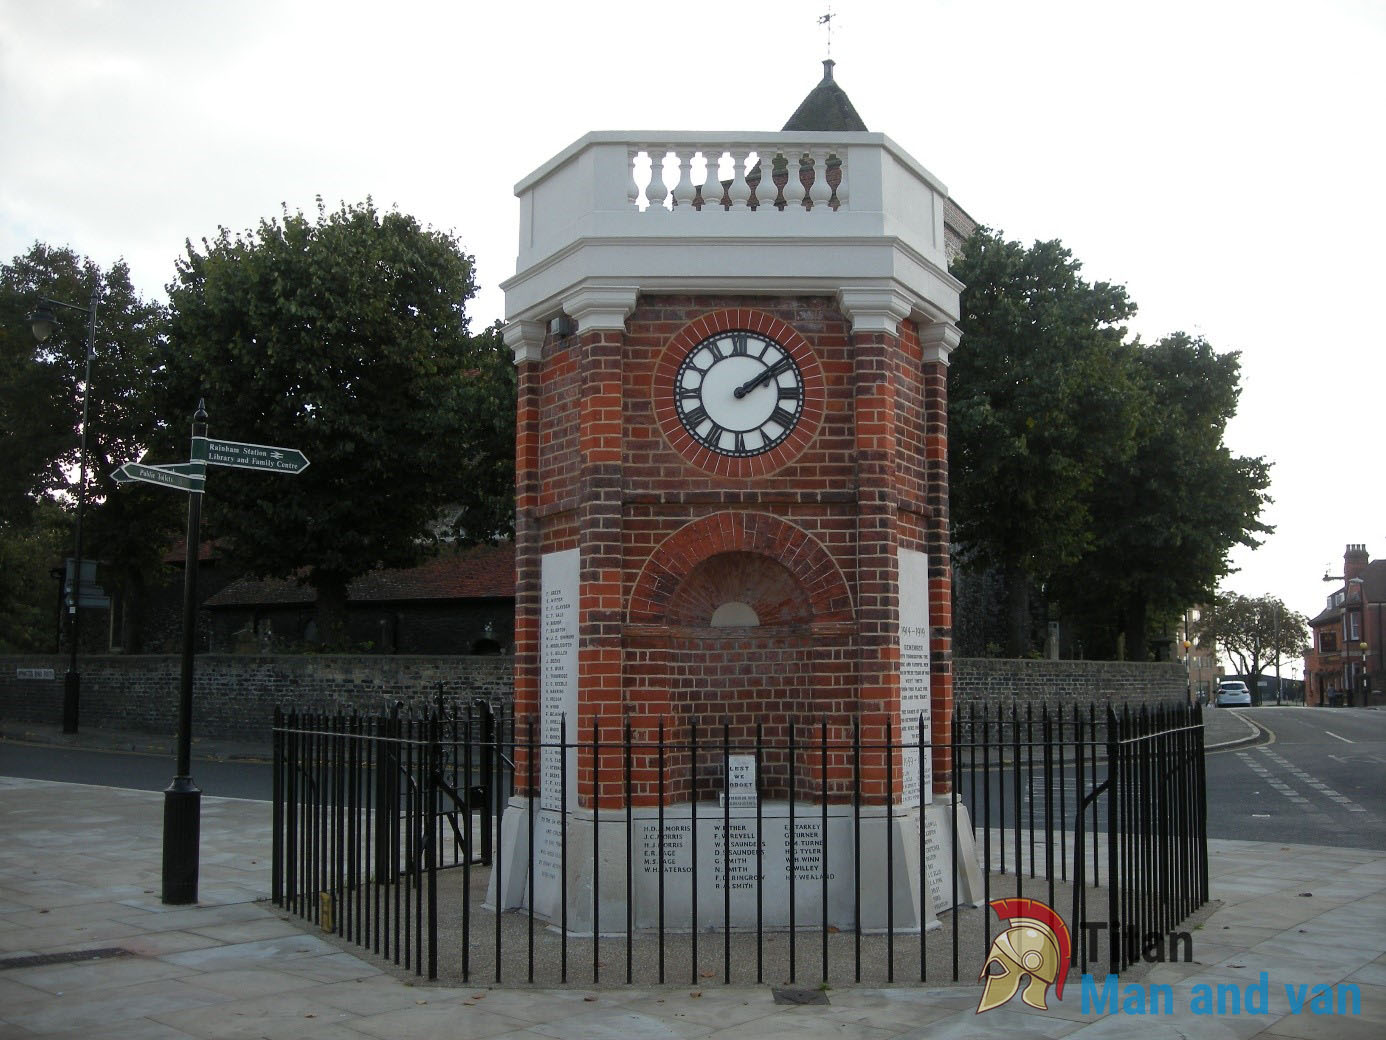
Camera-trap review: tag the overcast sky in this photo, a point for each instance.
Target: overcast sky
(1223, 160)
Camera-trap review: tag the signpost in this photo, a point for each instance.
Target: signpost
(180, 475)
(183, 798)
(249, 456)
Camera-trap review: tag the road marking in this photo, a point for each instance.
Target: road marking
(1336, 737)
(1282, 788)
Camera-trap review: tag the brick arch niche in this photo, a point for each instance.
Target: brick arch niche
(742, 619)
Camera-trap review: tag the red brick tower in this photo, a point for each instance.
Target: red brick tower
(732, 488)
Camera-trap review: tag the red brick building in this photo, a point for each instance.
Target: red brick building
(1346, 662)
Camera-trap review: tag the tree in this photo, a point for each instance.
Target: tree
(29, 620)
(1164, 522)
(1254, 632)
(487, 471)
(344, 337)
(1040, 407)
(41, 408)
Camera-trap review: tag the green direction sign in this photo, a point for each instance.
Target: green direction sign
(248, 456)
(164, 476)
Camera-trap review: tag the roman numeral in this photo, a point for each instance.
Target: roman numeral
(793, 392)
(714, 436)
(739, 344)
(741, 444)
(781, 366)
(785, 419)
(695, 418)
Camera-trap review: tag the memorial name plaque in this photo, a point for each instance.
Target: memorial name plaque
(937, 822)
(34, 673)
(558, 674)
(739, 861)
(741, 782)
(915, 705)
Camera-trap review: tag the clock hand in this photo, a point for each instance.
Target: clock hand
(761, 379)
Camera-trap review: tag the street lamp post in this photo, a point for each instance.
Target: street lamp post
(1277, 653)
(1362, 648)
(42, 322)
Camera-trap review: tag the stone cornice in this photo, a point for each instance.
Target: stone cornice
(939, 340)
(525, 340)
(600, 307)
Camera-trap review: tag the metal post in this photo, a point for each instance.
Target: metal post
(183, 798)
(1277, 655)
(72, 682)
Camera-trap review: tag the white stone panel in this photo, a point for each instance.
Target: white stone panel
(558, 673)
(915, 684)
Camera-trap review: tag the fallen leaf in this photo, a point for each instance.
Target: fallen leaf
(589, 998)
(696, 993)
(707, 974)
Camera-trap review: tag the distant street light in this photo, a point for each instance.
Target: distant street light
(43, 321)
(1362, 647)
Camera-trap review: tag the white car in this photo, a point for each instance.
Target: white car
(1233, 693)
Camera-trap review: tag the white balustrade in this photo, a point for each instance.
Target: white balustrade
(684, 190)
(658, 191)
(819, 192)
(724, 184)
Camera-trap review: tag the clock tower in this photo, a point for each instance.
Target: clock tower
(732, 509)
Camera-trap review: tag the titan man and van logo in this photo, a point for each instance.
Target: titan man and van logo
(1034, 951)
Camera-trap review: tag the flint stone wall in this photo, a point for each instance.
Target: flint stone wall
(234, 695)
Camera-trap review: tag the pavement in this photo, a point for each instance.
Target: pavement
(1226, 728)
(88, 950)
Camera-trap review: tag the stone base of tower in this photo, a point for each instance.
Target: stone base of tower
(723, 888)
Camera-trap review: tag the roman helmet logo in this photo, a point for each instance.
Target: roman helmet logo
(1036, 945)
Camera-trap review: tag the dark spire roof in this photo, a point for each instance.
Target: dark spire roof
(827, 107)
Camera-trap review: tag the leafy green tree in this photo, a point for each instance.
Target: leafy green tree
(486, 472)
(1254, 632)
(41, 408)
(1164, 522)
(28, 551)
(1040, 406)
(344, 336)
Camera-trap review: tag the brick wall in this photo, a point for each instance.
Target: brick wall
(235, 694)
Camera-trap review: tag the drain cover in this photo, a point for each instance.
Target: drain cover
(40, 959)
(796, 995)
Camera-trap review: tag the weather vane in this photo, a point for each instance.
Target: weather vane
(826, 20)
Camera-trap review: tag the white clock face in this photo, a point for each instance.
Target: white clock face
(739, 393)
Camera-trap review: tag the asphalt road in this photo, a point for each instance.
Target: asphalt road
(1318, 779)
(126, 769)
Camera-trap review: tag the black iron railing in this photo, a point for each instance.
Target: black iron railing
(386, 832)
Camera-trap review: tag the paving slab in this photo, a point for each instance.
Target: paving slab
(233, 966)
